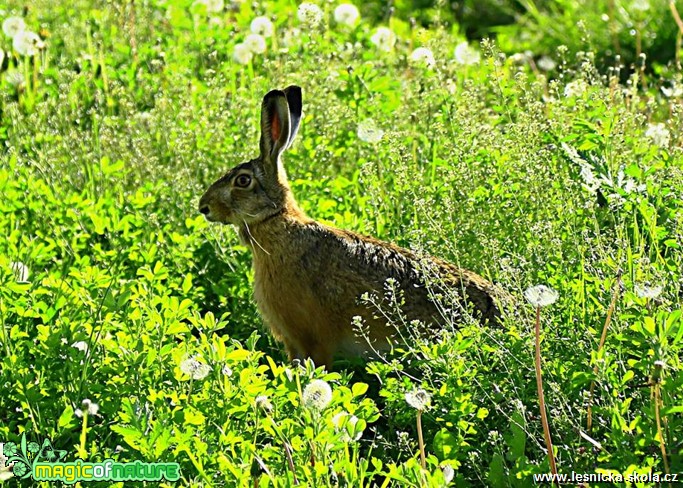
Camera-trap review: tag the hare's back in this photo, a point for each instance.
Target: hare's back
(344, 265)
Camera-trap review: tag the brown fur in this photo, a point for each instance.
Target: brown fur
(308, 277)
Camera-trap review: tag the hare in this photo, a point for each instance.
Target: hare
(308, 277)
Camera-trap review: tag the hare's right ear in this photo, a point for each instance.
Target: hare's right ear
(275, 129)
(293, 94)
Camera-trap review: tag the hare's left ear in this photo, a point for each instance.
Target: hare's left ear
(294, 102)
(275, 126)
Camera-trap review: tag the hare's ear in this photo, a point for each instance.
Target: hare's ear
(293, 94)
(275, 126)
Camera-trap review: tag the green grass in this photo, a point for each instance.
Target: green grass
(133, 109)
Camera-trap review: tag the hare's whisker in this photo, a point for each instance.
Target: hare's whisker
(246, 226)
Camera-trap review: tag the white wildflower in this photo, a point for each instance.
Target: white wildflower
(591, 182)
(346, 14)
(575, 88)
(13, 26)
(649, 292)
(419, 399)
(369, 132)
(465, 54)
(256, 43)
(20, 271)
(422, 56)
(658, 134)
(541, 295)
(194, 368)
(27, 43)
(227, 371)
(309, 13)
(262, 26)
(80, 345)
(317, 395)
(242, 54)
(546, 63)
(384, 38)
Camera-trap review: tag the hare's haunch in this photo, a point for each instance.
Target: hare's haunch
(309, 277)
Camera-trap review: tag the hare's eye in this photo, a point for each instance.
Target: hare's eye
(243, 181)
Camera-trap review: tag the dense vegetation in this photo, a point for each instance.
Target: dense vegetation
(562, 166)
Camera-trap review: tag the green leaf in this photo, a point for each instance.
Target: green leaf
(445, 444)
(517, 441)
(359, 389)
(496, 474)
(66, 419)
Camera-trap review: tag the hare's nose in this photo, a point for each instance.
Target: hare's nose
(204, 209)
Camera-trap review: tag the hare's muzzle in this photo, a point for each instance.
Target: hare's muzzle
(205, 208)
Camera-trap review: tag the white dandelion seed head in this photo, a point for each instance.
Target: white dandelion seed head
(448, 473)
(345, 423)
(546, 63)
(262, 403)
(640, 5)
(575, 88)
(78, 413)
(212, 6)
(80, 345)
(90, 407)
(20, 271)
(658, 134)
(369, 132)
(649, 292)
(384, 38)
(262, 26)
(466, 54)
(291, 37)
(309, 13)
(418, 398)
(256, 43)
(242, 54)
(674, 91)
(541, 295)
(422, 56)
(13, 26)
(317, 395)
(27, 43)
(346, 14)
(195, 369)
(521, 58)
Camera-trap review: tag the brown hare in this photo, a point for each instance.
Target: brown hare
(308, 277)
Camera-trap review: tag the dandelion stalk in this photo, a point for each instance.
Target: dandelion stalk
(541, 296)
(541, 397)
(657, 395)
(84, 432)
(603, 337)
(420, 440)
(419, 399)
